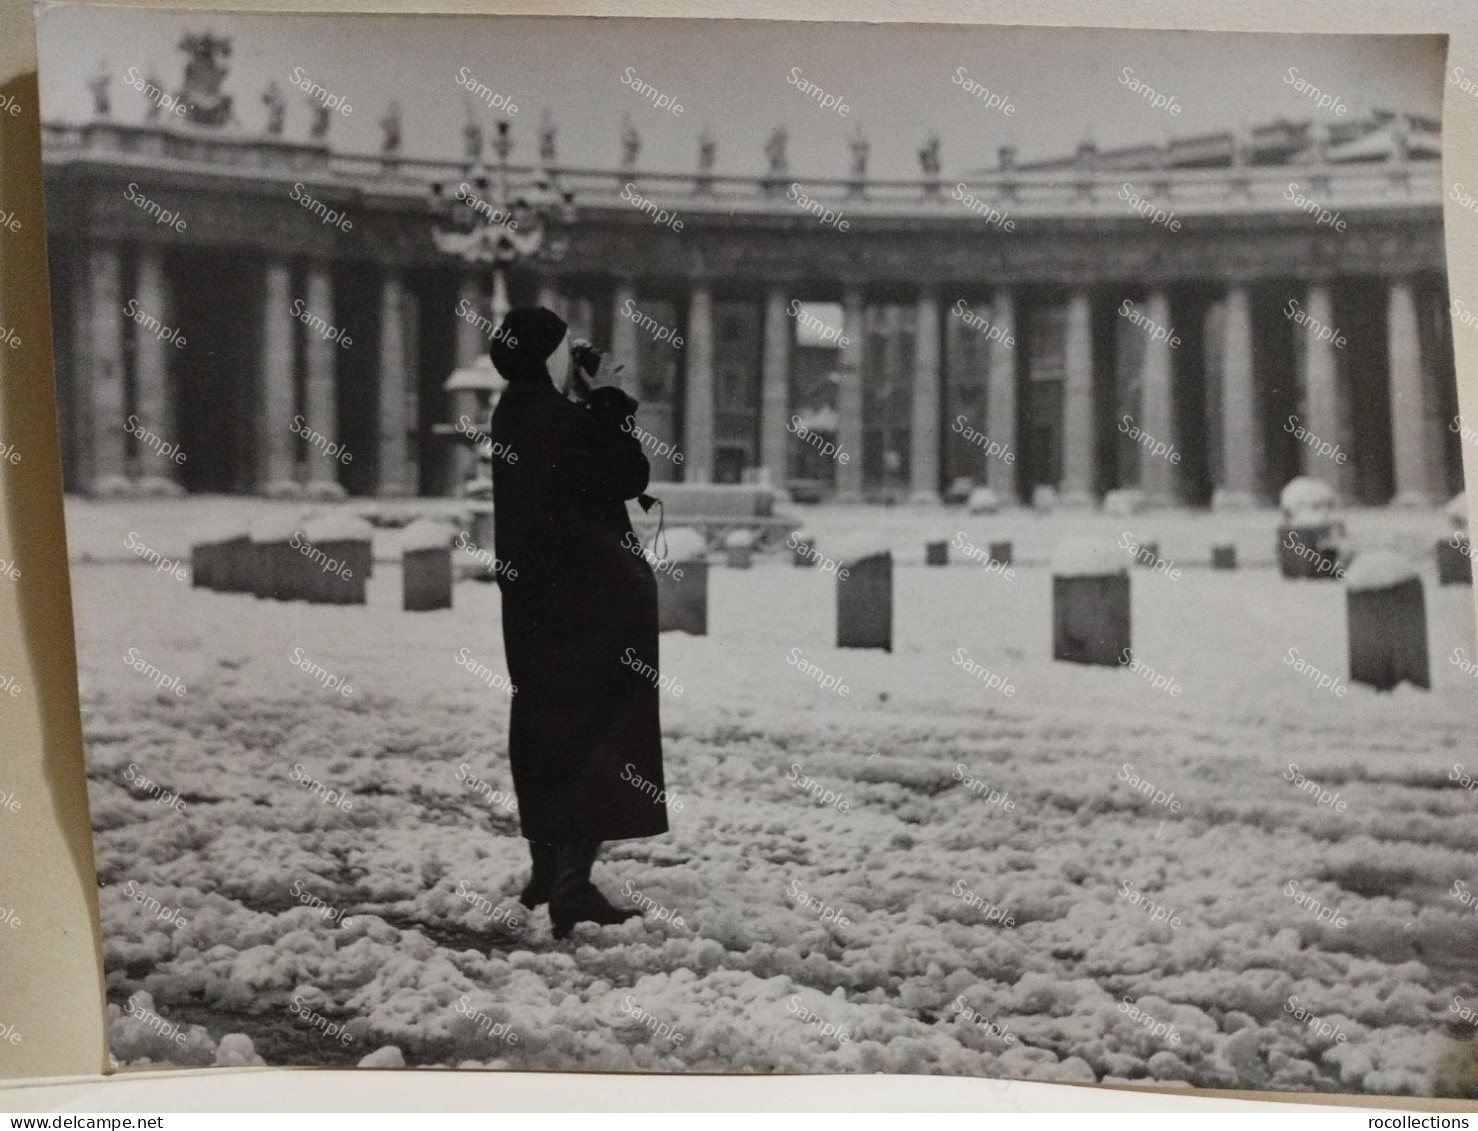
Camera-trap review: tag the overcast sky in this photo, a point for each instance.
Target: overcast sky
(896, 79)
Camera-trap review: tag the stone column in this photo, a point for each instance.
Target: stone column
(623, 335)
(849, 396)
(1239, 447)
(1321, 393)
(277, 442)
(1079, 477)
(159, 475)
(1408, 410)
(1156, 408)
(775, 389)
(101, 370)
(472, 343)
(1000, 402)
(322, 396)
(697, 446)
(923, 430)
(394, 477)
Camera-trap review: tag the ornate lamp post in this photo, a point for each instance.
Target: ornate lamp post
(490, 224)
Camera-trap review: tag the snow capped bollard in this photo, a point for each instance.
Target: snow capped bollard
(273, 560)
(682, 582)
(1454, 553)
(337, 548)
(1387, 617)
(1044, 498)
(936, 553)
(426, 566)
(1001, 552)
(1311, 537)
(982, 500)
(958, 492)
(1090, 603)
(739, 549)
(1224, 556)
(865, 596)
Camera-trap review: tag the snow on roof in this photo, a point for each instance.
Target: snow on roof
(1378, 569)
(1088, 557)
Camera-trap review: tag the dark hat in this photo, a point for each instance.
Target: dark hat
(523, 343)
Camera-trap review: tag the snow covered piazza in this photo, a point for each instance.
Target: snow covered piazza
(311, 855)
(1067, 670)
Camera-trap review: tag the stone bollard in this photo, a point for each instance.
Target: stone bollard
(215, 560)
(274, 562)
(739, 549)
(206, 561)
(1310, 552)
(1387, 618)
(426, 566)
(1001, 552)
(1455, 553)
(803, 545)
(936, 553)
(1454, 563)
(234, 558)
(339, 559)
(481, 535)
(682, 583)
(1224, 556)
(865, 601)
(1090, 603)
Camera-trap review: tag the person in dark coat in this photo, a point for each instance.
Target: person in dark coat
(579, 617)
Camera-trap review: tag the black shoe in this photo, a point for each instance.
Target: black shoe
(541, 883)
(575, 899)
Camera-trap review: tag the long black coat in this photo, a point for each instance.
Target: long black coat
(579, 616)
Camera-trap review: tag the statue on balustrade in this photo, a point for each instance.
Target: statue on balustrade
(153, 80)
(276, 106)
(775, 151)
(860, 149)
(390, 129)
(547, 134)
(200, 91)
(929, 156)
(471, 135)
(99, 85)
(630, 142)
(707, 150)
(318, 124)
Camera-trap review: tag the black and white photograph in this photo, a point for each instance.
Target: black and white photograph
(726, 546)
